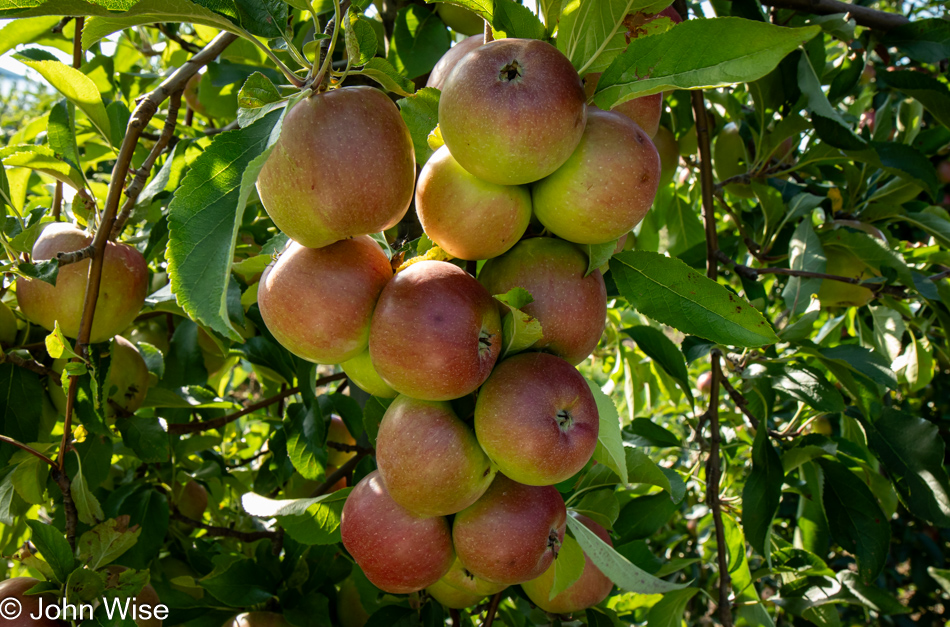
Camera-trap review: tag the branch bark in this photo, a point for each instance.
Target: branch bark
(338, 474)
(29, 364)
(225, 532)
(871, 18)
(492, 610)
(706, 180)
(713, 477)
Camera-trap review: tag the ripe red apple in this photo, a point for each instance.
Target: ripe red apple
(397, 551)
(430, 460)
(592, 588)
(191, 499)
(461, 579)
(704, 383)
(460, 20)
(452, 597)
(318, 302)
(344, 165)
(16, 588)
(258, 619)
(512, 533)
(360, 371)
(121, 293)
(126, 384)
(571, 308)
(607, 185)
(337, 432)
(730, 158)
(645, 110)
(536, 419)
(436, 332)
(512, 111)
(467, 217)
(449, 60)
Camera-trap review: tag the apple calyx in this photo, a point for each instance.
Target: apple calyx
(564, 420)
(510, 72)
(485, 342)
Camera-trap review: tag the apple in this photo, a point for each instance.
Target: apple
(181, 577)
(8, 326)
(344, 165)
(536, 419)
(16, 588)
(349, 608)
(191, 95)
(668, 149)
(121, 292)
(191, 499)
(429, 459)
(465, 216)
(258, 619)
(730, 158)
(460, 20)
(645, 110)
(448, 61)
(571, 308)
(453, 598)
(152, 331)
(461, 579)
(398, 552)
(943, 172)
(512, 111)
(318, 302)
(841, 262)
(436, 332)
(605, 188)
(147, 596)
(511, 534)
(337, 432)
(592, 588)
(704, 383)
(360, 371)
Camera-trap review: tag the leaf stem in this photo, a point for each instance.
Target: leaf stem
(29, 449)
(327, 59)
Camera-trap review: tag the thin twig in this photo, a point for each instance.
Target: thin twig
(185, 45)
(61, 25)
(224, 532)
(742, 403)
(351, 448)
(29, 449)
(706, 179)
(864, 16)
(492, 610)
(713, 476)
(336, 475)
(58, 201)
(75, 256)
(28, 364)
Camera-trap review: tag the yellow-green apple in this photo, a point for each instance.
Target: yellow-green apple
(8, 326)
(429, 459)
(344, 165)
(536, 419)
(730, 158)
(571, 308)
(452, 597)
(360, 371)
(592, 588)
(29, 605)
(645, 110)
(460, 20)
(448, 61)
(467, 217)
(605, 188)
(337, 432)
(318, 302)
(191, 95)
(512, 533)
(145, 601)
(397, 551)
(512, 111)
(841, 261)
(460, 578)
(121, 292)
(349, 608)
(258, 619)
(668, 149)
(436, 332)
(191, 499)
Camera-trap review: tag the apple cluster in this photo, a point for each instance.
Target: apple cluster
(463, 501)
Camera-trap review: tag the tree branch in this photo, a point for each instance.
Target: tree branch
(75, 256)
(871, 18)
(28, 364)
(338, 474)
(492, 610)
(29, 449)
(351, 448)
(187, 46)
(713, 476)
(224, 532)
(706, 179)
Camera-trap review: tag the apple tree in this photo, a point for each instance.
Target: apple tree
(473, 311)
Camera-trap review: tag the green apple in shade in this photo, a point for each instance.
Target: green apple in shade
(429, 459)
(460, 578)
(607, 185)
(436, 332)
(668, 149)
(512, 533)
(730, 158)
(512, 111)
(592, 587)
(258, 619)
(344, 165)
(449, 60)
(8, 326)
(360, 371)
(16, 588)
(571, 308)
(453, 597)
(460, 20)
(121, 292)
(536, 419)
(191, 499)
(467, 217)
(349, 608)
(398, 552)
(841, 261)
(318, 302)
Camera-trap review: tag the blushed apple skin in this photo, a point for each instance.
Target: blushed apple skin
(452, 597)
(436, 333)
(571, 308)
(121, 292)
(429, 459)
(318, 302)
(360, 371)
(191, 500)
(344, 165)
(449, 60)
(605, 188)
(512, 533)
(461, 579)
(592, 588)
(536, 419)
(645, 110)
(398, 552)
(467, 217)
(337, 432)
(512, 111)
(30, 605)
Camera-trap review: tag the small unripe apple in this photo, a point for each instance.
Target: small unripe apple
(460, 20)
(465, 216)
(571, 308)
(448, 61)
(337, 432)
(512, 111)
(452, 597)
(344, 165)
(258, 619)
(121, 292)
(605, 188)
(436, 333)
(318, 302)
(8, 326)
(397, 551)
(191, 95)
(592, 588)
(536, 419)
(943, 171)
(730, 158)
(704, 383)
(191, 499)
(429, 459)
(512, 533)
(668, 149)
(360, 371)
(16, 588)
(461, 579)
(349, 608)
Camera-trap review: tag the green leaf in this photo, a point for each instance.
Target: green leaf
(205, 215)
(146, 437)
(804, 253)
(148, 509)
(642, 469)
(46, 271)
(360, 38)
(829, 123)
(568, 566)
(54, 548)
(855, 519)
(645, 515)
(106, 542)
(258, 91)
(419, 40)
(601, 506)
(941, 576)
(420, 111)
(306, 433)
(691, 56)
(19, 417)
(926, 40)
(382, 71)
(241, 584)
(29, 477)
(616, 567)
(610, 449)
(512, 19)
(644, 432)
(808, 385)
(599, 254)
(24, 31)
(87, 505)
(913, 451)
(313, 521)
(664, 353)
(870, 250)
(671, 292)
(928, 91)
(519, 330)
(61, 132)
(668, 611)
(42, 159)
(762, 493)
(481, 7)
(77, 87)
